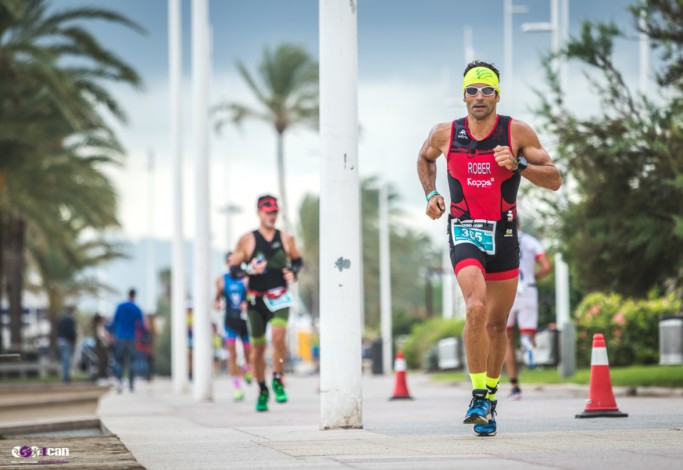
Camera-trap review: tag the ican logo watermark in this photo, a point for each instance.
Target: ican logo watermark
(40, 455)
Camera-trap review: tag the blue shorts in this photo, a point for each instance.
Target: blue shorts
(236, 328)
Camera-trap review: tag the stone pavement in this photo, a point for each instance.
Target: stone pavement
(166, 431)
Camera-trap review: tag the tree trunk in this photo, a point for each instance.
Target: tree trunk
(429, 298)
(55, 306)
(284, 206)
(14, 259)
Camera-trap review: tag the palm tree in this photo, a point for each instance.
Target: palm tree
(287, 90)
(50, 110)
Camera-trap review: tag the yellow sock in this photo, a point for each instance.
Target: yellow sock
(492, 387)
(478, 381)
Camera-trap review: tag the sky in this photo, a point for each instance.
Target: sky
(410, 61)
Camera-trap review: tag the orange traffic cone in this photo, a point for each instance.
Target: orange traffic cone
(401, 387)
(600, 401)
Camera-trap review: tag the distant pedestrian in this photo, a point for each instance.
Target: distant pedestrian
(271, 260)
(102, 343)
(533, 266)
(144, 347)
(127, 319)
(234, 294)
(66, 341)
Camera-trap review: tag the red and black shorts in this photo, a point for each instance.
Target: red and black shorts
(502, 265)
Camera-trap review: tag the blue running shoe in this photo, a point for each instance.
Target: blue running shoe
(479, 409)
(489, 429)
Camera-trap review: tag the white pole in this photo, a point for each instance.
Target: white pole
(564, 39)
(340, 251)
(179, 357)
(469, 48)
(507, 37)
(385, 279)
(555, 31)
(151, 286)
(509, 9)
(644, 54)
(447, 277)
(201, 323)
(561, 292)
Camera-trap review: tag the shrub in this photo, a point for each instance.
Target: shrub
(630, 327)
(425, 335)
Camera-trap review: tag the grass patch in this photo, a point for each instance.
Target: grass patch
(632, 376)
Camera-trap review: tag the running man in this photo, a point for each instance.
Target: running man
(486, 155)
(234, 293)
(263, 255)
(525, 309)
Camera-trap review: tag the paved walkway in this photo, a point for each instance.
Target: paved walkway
(167, 431)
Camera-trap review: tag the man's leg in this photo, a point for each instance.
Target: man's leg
(500, 297)
(118, 364)
(279, 332)
(279, 349)
(130, 357)
(257, 329)
(511, 365)
(235, 372)
(473, 287)
(246, 367)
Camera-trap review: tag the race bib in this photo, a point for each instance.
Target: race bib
(480, 233)
(277, 299)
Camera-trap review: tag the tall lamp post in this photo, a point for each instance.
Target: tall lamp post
(229, 210)
(559, 27)
(340, 250)
(385, 278)
(201, 324)
(509, 9)
(179, 356)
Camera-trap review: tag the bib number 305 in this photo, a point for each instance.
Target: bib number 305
(480, 233)
(277, 299)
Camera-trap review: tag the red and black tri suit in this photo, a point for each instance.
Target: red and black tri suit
(482, 229)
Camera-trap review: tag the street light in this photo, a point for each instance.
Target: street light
(559, 30)
(229, 210)
(385, 278)
(508, 10)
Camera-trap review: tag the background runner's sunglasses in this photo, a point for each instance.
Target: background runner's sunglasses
(485, 90)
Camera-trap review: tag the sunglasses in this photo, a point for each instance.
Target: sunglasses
(485, 90)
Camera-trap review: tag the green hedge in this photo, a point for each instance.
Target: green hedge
(425, 335)
(630, 327)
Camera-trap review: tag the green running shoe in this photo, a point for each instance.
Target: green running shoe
(262, 402)
(279, 389)
(248, 377)
(238, 395)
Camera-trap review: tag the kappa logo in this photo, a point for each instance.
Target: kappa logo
(480, 183)
(463, 134)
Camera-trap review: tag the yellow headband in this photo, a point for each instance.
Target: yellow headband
(480, 75)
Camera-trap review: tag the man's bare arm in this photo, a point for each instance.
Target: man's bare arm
(243, 251)
(431, 149)
(294, 258)
(219, 293)
(541, 170)
(544, 267)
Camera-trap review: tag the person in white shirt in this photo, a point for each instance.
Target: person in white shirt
(533, 266)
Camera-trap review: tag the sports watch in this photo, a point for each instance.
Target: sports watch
(521, 164)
